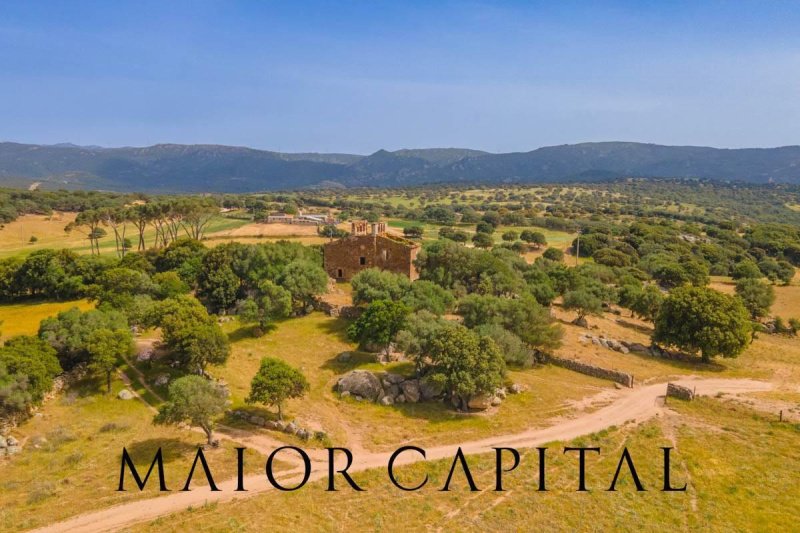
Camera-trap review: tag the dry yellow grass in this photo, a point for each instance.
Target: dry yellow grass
(312, 344)
(213, 240)
(773, 357)
(257, 229)
(49, 230)
(24, 318)
(72, 455)
(740, 469)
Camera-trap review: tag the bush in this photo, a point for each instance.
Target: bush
(40, 491)
(553, 254)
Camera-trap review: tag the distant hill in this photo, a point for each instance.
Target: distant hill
(217, 168)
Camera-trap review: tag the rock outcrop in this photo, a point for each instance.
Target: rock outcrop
(9, 446)
(125, 394)
(362, 384)
(388, 389)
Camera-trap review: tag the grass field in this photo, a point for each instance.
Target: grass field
(49, 232)
(740, 463)
(72, 457)
(773, 357)
(735, 483)
(24, 318)
(312, 344)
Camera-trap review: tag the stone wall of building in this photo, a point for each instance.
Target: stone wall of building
(346, 257)
(679, 391)
(590, 370)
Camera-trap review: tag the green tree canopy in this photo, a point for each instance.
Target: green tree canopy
(465, 364)
(523, 316)
(304, 280)
(191, 334)
(536, 238)
(553, 254)
(379, 323)
(647, 302)
(705, 321)
(106, 347)
(376, 284)
(757, 296)
(482, 240)
(69, 332)
(510, 236)
(276, 382)
(746, 268)
(27, 368)
(582, 302)
(419, 330)
(195, 400)
(427, 295)
(414, 232)
(271, 303)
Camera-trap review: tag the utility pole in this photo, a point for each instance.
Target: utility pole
(578, 247)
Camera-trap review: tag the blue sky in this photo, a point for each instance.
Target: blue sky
(357, 77)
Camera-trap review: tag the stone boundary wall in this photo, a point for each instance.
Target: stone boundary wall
(344, 311)
(590, 370)
(680, 392)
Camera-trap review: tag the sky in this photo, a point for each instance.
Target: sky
(356, 77)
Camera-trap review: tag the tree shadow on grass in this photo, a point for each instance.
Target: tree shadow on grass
(336, 327)
(252, 331)
(434, 412)
(252, 410)
(686, 363)
(172, 449)
(646, 330)
(355, 360)
(89, 385)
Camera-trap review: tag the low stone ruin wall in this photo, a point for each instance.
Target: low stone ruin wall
(595, 371)
(680, 392)
(278, 425)
(343, 311)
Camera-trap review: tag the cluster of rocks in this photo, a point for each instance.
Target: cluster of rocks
(278, 425)
(9, 446)
(482, 402)
(387, 388)
(606, 342)
(628, 347)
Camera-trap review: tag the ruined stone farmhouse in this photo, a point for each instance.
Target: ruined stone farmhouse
(370, 246)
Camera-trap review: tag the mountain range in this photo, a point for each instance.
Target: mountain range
(218, 168)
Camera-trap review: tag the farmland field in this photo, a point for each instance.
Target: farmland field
(200, 313)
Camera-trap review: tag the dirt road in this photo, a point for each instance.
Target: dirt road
(630, 405)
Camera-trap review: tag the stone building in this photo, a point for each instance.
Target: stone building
(370, 246)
